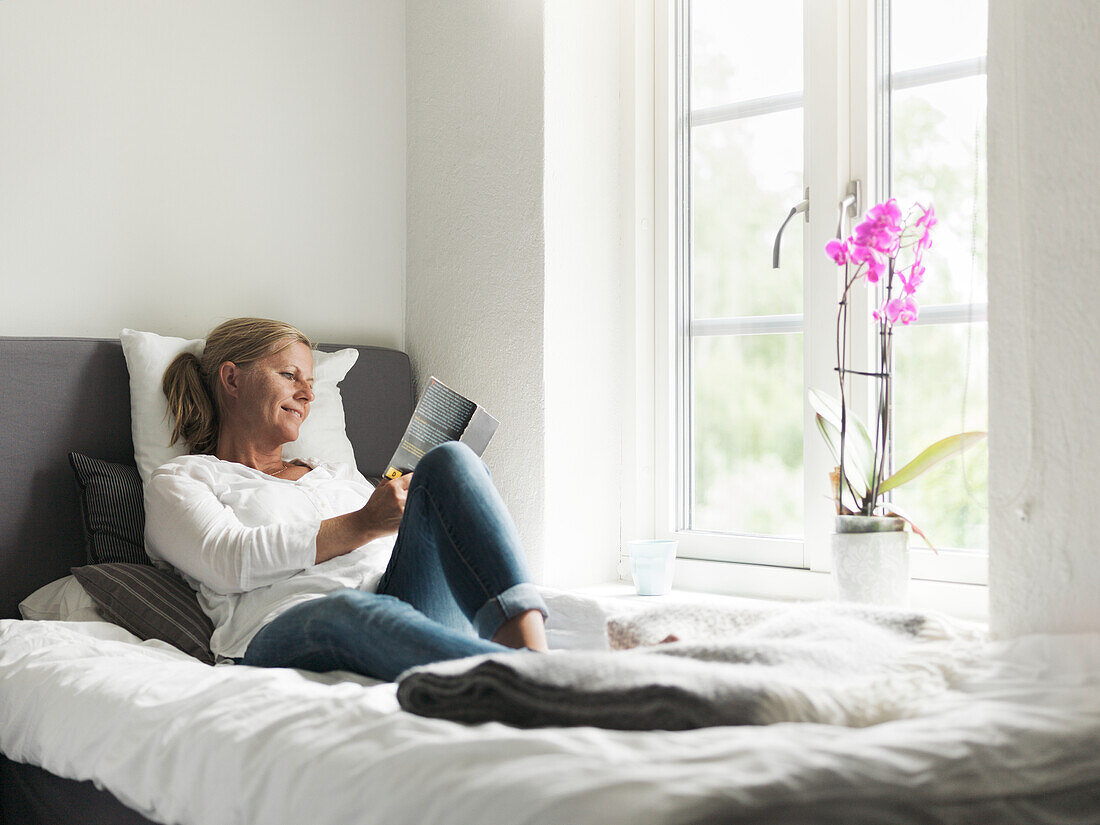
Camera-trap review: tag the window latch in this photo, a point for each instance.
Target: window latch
(802, 206)
(851, 206)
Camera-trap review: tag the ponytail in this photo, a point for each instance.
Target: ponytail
(191, 404)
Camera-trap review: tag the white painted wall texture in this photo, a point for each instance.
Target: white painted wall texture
(476, 246)
(1044, 316)
(165, 165)
(589, 304)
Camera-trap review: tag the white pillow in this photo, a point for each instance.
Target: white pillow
(61, 601)
(148, 355)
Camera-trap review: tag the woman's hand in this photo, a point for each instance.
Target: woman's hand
(380, 516)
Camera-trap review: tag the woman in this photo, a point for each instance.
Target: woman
(292, 561)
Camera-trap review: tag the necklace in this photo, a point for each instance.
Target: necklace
(281, 470)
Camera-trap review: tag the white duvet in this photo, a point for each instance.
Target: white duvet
(1017, 740)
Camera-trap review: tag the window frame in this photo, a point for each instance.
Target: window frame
(844, 43)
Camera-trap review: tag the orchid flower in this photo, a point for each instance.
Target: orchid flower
(872, 252)
(881, 228)
(926, 221)
(838, 250)
(916, 276)
(904, 309)
(863, 254)
(927, 218)
(876, 267)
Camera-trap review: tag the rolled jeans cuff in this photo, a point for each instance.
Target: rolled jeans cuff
(517, 599)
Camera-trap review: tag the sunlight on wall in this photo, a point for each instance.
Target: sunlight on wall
(587, 303)
(1044, 385)
(475, 227)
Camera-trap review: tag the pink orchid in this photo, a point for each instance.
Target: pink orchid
(904, 309)
(880, 228)
(927, 218)
(874, 251)
(858, 253)
(838, 250)
(876, 268)
(887, 213)
(916, 277)
(875, 260)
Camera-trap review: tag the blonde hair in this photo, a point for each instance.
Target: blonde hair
(191, 383)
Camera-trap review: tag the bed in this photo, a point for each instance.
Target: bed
(97, 726)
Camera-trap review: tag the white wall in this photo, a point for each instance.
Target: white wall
(165, 165)
(475, 227)
(1044, 315)
(589, 299)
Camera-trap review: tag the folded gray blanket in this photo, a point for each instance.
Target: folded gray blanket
(825, 662)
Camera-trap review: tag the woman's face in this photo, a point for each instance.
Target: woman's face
(275, 393)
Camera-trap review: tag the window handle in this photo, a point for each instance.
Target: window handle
(802, 206)
(851, 206)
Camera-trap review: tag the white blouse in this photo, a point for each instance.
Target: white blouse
(247, 541)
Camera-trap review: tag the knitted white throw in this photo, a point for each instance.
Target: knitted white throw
(821, 662)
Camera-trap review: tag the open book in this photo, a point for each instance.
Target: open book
(441, 415)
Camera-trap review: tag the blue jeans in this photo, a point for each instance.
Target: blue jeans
(457, 573)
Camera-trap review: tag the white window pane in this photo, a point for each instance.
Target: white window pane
(747, 434)
(746, 175)
(927, 32)
(938, 156)
(744, 49)
(949, 502)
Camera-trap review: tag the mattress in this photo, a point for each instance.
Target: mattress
(1015, 739)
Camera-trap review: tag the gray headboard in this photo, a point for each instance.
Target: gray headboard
(72, 394)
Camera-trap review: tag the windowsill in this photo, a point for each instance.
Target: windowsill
(697, 580)
(625, 590)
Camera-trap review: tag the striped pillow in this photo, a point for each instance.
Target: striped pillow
(151, 603)
(113, 510)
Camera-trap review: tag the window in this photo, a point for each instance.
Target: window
(783, 106)
(936, 152)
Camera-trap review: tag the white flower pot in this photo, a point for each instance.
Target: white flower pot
(871, 560)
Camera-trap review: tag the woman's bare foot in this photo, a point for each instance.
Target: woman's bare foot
(525, 630)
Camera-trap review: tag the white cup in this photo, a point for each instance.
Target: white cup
(652, 564)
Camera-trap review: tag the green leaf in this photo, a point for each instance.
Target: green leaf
(858, 450)
(940, 451)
